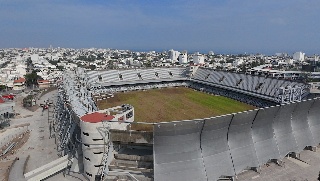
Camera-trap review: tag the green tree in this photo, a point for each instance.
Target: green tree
(92, 67)
(2, 87)
(148, 64)
(29, 61)
(60, 67)
(31, 79)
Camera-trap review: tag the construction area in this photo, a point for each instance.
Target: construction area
(27, 141)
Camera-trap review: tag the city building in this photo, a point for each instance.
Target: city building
(198, 58)
(183, 58)
(299, 56)
(173, 55)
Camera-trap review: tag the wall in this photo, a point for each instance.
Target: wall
(91, 135)
(226, 145)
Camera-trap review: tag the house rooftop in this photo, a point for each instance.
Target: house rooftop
(20, 80)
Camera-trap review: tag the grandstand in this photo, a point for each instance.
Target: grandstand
(183, 150)
(280, 91)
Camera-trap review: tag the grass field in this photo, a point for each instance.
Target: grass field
(172, 104)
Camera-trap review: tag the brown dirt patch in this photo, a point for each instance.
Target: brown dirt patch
(20, 141)
(5, 169)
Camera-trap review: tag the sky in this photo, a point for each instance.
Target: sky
(221, 26)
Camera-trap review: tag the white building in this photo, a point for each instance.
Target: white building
(35, 57)
(290, 61)
(281, 54)
(237, 62)
(183, 58)
(21, 69)
(173, 55)
(298, 56)
(198, 58)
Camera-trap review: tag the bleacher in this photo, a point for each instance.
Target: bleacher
(133, 76)
(178, 72)
(147, 74)
(129, 75)
(163, 73)
(266, 88)
(111, 76)
(251, 84)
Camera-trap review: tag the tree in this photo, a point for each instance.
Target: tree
(148, 64)
(3, 87)
(230, 60)
(31, 79)
(53, 62)
(4, 64)
(29, 61)
(60, 67)
(92, 67)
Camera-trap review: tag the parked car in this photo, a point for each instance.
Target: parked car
(8, 96)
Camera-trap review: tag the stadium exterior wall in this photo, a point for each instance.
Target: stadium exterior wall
(230, 144)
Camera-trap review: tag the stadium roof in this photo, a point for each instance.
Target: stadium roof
(96, 117)
(139, 81)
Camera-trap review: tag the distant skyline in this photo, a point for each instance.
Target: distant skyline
(221, 26)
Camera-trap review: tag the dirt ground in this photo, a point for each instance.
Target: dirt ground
(4, 169)
(20, 141)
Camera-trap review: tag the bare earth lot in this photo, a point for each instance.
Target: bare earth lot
(171, 104)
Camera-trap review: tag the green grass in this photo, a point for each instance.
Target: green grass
(173, 104)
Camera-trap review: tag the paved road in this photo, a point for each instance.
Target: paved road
(40, 147)
(16, 173)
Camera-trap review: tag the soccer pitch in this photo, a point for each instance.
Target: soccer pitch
(174, 104)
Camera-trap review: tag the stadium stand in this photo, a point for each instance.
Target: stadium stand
(236, 86)
(230, 94)
(262, 87)
(129, 75)
(147, 74)
(111, 76)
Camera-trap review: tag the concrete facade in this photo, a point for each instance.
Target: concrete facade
(95, 136)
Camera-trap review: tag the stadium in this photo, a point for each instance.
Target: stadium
(180, 123)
